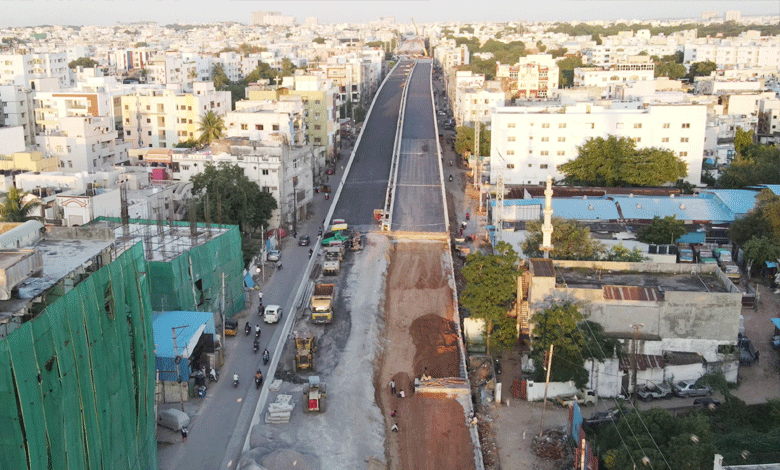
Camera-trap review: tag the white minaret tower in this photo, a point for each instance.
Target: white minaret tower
(547, 228)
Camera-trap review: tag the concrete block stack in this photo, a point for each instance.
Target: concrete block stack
(280, 410)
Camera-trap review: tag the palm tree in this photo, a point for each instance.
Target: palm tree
(14, 209)
(218, 76)
(211, 127)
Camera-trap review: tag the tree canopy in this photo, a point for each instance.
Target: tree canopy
(318, 40)
(14, 209)
(754, 165)
(85, 62)
(557, 325)
(211, 127)
(662, 231)
(573, 241)
(233, 200)
(464, 141)
(615, 161)
(491, 290)
(701, 69)
(566, 68)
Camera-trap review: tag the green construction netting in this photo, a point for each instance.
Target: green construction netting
(77, 382)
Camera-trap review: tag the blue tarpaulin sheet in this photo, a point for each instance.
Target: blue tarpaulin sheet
(776, 321)
(248, 281)
(770, 264)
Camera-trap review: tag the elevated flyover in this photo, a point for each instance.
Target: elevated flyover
(418, 202)
(364, 185)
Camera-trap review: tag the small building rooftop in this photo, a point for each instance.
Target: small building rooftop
(654, 283)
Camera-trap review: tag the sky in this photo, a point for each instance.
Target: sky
(110, 12)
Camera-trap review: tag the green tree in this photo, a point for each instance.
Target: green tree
(540, 46)
(761, 221)
(570, 241)
(262, 71)
(759, 250)
(621, 253)
(233, 200)
(464, 141)
(701, 69)
(211, 127)
(743, 141)
(85, 62)
(14, 209)
(141, 44)
(318, 40)
(616, 162)
(187, 144)
(566, 71)
(758, 164)
(560, 52)
(485, 67)
(218, 76)
(662, 231)
(246, 49)
(557, 325)
(670, 70)
(491, 289)
(288, 68)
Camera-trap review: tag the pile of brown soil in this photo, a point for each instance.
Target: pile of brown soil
(436, 343)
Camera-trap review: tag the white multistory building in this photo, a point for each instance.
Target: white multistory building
(267, 120)
(30, 70)
(634, 69)
(530, 142)
(84, 144)
(533, 76)
(477, 104)
(172, 71)
(16, 110)
(748, 51)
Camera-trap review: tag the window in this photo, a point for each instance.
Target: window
(149, 133)
(637, 139)
(511, 138)
(530, 165)
(316, 115)
(189, 108)
(265, 172)
(148, 107)
(190, 121)
(546, 125)
(70, 164)
(683, 139)
(561, 125)
(127, 132)
(127, 107)
(543, 166)
(275, 127)
(510, 152)
(637, 125)
(666, 125)
(511, 125)
(127, 120)
(185, 167)
(561, 152)
(686, 125)
(258, 127)
(244, 127)
(545, 139)
(317, 127)
(316, 101)
(683, 154)
(148, 121)
(545, 153)
(590, 125)
(510, 166)
(317, 140)
(561, 139)
(665, 139)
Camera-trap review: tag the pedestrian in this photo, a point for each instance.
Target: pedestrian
(394, 428)
(756, 356)
(392, 414)
(416, 384)
(392, 386)
(295, 234)
(184, 434)
(401, 394)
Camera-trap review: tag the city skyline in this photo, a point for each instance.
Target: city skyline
(20, 13)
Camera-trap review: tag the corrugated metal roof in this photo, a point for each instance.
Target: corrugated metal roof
(542, 267)
(684, 208)
(775, 188)
(572, 208)
(186, 338)
(738, 201)
(643, 362)
(632, 293)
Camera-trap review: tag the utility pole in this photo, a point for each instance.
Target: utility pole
(634, 365)
(548, 363)
(177, 360)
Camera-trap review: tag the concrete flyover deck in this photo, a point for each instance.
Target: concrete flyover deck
(419, 201)
(366, 183)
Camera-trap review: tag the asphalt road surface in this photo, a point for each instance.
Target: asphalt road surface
(419, 204)
(366, 185)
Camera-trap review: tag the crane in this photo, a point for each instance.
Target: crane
(417, 32)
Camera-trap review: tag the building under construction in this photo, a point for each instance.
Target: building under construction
(77, 356)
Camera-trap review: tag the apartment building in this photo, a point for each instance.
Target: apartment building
(533, 76)
(769, 121)
(616, 50)
(749, 51)
(272, 18)
(84, 144)
(530, 142)
(269, 120)
(133, 58)
(450, 56)
(634, 69)
(172, 71)
(162, 118)
(16, 110)
(28, 161)
(320, 105)
(476, 104)
(29, 70)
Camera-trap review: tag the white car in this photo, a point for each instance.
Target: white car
(272, 314)
(274, 255)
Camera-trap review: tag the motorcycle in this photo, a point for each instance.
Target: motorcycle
(450, 178)
(468, 216)
(257, 332)
(213, 375)
(450, 162)
(279, 266)
(266, 357)
(258, 379)
(498, 367)
(256, 347)
(247, 329)
(327, 196)
(310, 252)
(235, 380)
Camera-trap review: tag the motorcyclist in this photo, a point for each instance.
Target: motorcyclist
(258, 378)
(247, 328)
(256, 346)
(235, 380)
(266, 355)
(450, 177)
(257, 331)
(213, 375)
(278, 265)
(310, 252)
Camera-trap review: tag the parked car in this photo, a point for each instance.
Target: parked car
(652, 390)
(173, 419)
(304, 240)
(688, 388)
(611, 415)
(709, 402)
(272, 314)
(274, 255)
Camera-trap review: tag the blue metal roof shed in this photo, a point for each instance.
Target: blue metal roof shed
(195, 323)
(738, 201)
(684, 208)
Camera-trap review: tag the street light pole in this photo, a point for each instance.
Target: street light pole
(634, 365)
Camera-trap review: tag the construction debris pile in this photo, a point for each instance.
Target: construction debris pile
(551, 446)
(280, 410)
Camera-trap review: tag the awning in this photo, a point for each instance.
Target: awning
(248, 281)
(770, 264)
(776, 321)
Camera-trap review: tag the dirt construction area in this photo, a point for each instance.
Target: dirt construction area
(421, 339)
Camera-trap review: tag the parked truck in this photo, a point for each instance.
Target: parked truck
(331, 265)
(322, 303)
(685, 255)
(583, 397)
(731, 270)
